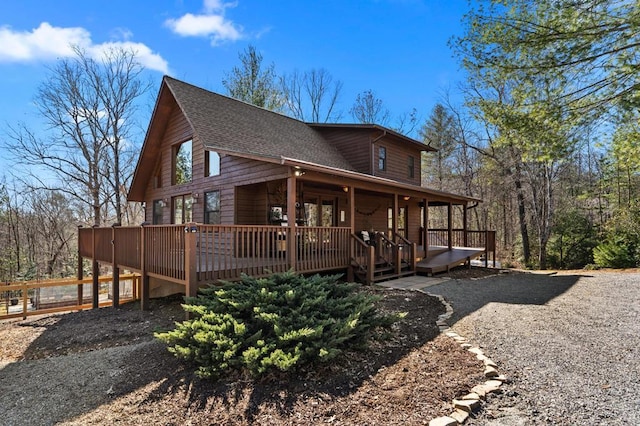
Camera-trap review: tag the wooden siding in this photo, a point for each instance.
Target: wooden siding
(354, 146)
(398, 162)
(371, 212)
(251, 204)
(234, 171)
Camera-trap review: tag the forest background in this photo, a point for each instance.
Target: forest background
(548, 136)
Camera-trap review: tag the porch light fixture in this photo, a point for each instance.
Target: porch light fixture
(298, 172)
(345, 188)
(195, 197)
(406, 198)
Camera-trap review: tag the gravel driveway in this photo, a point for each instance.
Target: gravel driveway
(571, 344)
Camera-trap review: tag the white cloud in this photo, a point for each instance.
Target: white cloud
(49, 43)
(211, 6)
(212, 23)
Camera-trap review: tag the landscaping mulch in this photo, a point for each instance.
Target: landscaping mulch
(104, 366)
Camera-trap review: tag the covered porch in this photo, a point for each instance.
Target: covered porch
(315, 219)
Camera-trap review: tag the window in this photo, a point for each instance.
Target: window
(328, 215)
(211, 163)
(411, 167)
(157, 211)
(182, 209)
(402, 222)
(182, 163)
(382, 158)
(212, 207)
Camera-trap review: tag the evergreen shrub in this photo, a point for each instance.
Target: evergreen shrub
(621, 245)
(281, 322)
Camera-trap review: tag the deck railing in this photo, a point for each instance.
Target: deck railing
(220, 252)
(164, 251)
(322, 248)
(461, 238)
(194, 254)
(27, 298)
(362, 258)
(223, 252)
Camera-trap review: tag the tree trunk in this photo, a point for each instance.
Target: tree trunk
(522, 213)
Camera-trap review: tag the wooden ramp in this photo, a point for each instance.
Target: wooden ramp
(448, 259)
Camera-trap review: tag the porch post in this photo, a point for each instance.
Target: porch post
(371, 264)
(292, 246)
(352, 217)
(465, 235)
(425, 220)
(115, 275)
(450, 225)
(396, 205)
(95, 271)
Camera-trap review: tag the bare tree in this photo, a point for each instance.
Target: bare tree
(369, 109)
(89, 107)
(312, 95)
(407, 122)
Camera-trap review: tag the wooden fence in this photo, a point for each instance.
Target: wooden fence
(71, 296)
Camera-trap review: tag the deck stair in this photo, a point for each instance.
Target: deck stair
(391, 260)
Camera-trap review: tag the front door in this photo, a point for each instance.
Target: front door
(320, 211)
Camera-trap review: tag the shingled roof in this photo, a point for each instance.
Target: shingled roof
(233, 126)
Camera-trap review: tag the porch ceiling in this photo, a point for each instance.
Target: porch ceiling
(374, 184)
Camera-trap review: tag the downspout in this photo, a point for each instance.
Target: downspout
(373, 151)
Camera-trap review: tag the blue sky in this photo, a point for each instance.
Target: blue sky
(397, 48)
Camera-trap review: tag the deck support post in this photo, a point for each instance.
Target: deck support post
(95, 271)
(144, 278)
(115, 283)
(190, 267)
(80, 271)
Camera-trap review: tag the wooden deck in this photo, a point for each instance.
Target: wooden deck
(448, 259)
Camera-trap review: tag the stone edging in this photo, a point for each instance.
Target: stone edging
(469, 403)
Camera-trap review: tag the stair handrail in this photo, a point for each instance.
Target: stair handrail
(408, 256)
(363, 250)
(386, 249)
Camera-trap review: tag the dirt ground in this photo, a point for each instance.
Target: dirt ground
(104, 366)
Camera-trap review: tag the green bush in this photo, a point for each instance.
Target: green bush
(614, 254)
(621, 245)
(277, 323)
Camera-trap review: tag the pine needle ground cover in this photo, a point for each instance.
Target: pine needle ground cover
(278, 323)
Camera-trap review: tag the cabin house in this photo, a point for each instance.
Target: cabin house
(232, 188)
